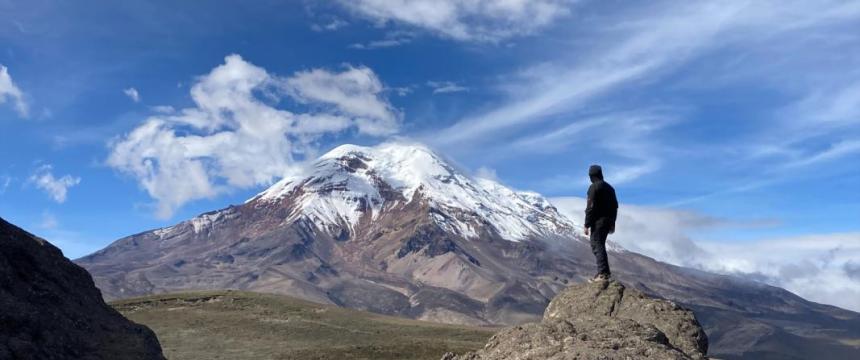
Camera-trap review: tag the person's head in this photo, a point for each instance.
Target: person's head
(595, 172)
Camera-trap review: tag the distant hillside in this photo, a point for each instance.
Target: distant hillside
(245, 325)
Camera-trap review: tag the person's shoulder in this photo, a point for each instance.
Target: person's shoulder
(604, 186)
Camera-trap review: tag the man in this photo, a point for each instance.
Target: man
(600, 213)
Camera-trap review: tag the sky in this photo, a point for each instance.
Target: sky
(731, 129)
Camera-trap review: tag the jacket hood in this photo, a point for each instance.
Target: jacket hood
(595, 172)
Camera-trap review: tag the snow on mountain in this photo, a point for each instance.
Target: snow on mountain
(350, 181)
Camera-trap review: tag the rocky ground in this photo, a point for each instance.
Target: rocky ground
(603, 320)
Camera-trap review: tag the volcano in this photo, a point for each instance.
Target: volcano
(397, 229)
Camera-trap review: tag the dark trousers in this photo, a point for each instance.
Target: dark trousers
(599, 232)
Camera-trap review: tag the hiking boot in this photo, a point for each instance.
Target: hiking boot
(600, 277)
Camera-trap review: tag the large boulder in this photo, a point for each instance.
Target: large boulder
(602, 320)
(51, 309)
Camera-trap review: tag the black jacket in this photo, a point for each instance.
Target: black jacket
(602, 205)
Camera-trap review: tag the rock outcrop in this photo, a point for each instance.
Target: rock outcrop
(603, 320)
(51, 309)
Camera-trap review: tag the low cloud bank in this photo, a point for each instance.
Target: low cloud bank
(823, 268)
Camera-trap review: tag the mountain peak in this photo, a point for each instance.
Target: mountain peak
(404, 150)
(352, 181)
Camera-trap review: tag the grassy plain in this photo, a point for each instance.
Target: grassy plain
(244, 325)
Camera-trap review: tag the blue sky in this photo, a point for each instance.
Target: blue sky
(740, 118)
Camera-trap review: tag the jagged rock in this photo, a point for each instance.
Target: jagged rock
(614, 300)
(51, 309)
(603, 320)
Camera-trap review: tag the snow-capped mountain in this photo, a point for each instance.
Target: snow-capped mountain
(353, 182)
(397, 229)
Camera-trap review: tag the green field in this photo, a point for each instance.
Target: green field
(243, 325)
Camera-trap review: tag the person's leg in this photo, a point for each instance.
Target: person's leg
(598, 247)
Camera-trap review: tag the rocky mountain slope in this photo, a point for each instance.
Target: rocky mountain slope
(600, 321)
(51, 309)
(396, 229)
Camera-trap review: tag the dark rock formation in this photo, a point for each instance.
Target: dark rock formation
(51, 309)
(603, 320)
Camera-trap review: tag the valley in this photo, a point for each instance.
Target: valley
(245, 325)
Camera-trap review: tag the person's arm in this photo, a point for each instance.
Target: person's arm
(613, 210)
(589, 209)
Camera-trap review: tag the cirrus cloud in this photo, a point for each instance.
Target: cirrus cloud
(468, 20)
(236, 136)
(445, 87)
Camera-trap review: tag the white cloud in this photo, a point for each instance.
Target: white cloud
(659, 233)
(353, 92)
(332, 25)
(641, 48)
(236, 137)
(49, 221)
(484, 172)
(827, 116)
(644, 44)
(402, 90)
(831, 108)
(834, 151)
(470, 20)
(378, 44)
(10, 92)
(444, 87)
(163, 109)
(5, 181)
(822, 268)
(56, 188)
(392, 39)
(626, 138)
(132, 94)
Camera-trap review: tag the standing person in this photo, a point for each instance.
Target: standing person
(600, 213)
